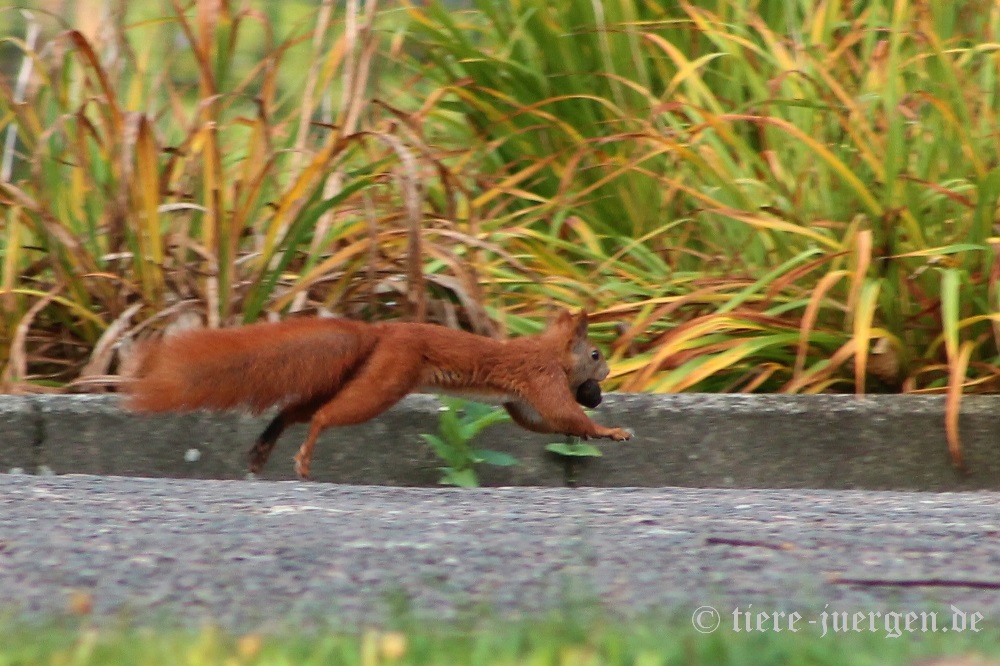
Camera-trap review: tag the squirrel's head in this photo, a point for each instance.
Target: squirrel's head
(582, 360)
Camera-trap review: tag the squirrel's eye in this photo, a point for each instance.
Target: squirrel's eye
(596, 355)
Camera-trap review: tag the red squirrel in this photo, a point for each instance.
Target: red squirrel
(334, 372)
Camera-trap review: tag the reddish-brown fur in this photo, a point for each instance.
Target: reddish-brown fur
(337, 372)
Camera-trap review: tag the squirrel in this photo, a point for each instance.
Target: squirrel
(334, 372)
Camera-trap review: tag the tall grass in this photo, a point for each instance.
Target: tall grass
(813, 184)
(160, 171)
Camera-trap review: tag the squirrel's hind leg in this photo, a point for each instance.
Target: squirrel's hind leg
(261, 450)
(300, 413)
(378, 384)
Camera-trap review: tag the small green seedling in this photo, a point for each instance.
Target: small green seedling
(458, 425)
(575, 448)
(571, 451)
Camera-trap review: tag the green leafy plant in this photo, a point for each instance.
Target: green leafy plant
(574, 448)
(459, 424)
(570, 452)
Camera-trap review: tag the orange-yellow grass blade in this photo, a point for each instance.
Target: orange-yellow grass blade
(820, 371)
(342, 256)
(683, 378)
(151, 240)
(811, 312)
(863, 321)
(957, 367)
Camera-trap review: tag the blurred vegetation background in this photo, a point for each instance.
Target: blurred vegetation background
(748, 195)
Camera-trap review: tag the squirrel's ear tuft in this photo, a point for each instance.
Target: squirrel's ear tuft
(562, 323)
(571, 327)
(563, 318)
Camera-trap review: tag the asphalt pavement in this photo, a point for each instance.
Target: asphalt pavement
(266, 555)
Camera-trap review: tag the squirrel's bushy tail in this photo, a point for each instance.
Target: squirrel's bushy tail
(255, 366)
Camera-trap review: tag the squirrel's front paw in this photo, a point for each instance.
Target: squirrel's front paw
(618, 434)
(302, 468)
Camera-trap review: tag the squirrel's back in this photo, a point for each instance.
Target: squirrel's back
(256, 366)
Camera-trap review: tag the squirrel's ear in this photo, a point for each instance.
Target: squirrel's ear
(562, 318)
(563, 324)
(571, 326)
(581, 324)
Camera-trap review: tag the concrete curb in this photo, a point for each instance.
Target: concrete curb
(696, 440)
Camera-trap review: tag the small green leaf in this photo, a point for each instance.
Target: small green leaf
(451, 429)
(476, 410)
(494, 457)
(577, 450)
(463, 478)
(452, 403)
(473, 427)
(951, 282)
(443, 451)
(433, 440)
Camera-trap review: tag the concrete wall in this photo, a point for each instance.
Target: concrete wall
(700, 440)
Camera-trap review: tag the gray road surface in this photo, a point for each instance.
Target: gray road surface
(253, 554)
